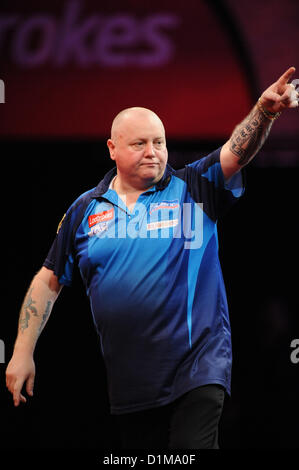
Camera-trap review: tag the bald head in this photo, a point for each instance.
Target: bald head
(138, 147)
(130, 118)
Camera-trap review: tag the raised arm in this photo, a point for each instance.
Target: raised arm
(249, 136)
(39, 300)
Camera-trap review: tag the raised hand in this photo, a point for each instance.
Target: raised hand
(281, 94)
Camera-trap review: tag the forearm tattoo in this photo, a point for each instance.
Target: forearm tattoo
(29, 309)
(45, 315)
(249, 136)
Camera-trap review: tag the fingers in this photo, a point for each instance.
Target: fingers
(30, 385)
(272, 96)
(16, 392)
(18, 397)
(290, 96)
(15, 388)
(283, 80)
(281, 94)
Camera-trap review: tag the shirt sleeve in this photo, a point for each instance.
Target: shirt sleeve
(61, 256)
(207, 185)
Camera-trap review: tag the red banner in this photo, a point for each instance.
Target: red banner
(69, 68)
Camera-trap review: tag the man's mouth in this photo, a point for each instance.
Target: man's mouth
(149, 164)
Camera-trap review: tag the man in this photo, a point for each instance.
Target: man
(145, 240)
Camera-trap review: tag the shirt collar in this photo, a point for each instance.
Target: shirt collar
(103, 185)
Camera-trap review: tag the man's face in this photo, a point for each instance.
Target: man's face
(138, 147)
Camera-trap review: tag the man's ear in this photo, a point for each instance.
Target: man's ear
(111, 148)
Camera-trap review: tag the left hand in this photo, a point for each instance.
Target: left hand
(281, 94)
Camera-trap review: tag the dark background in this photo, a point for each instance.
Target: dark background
(41, 177)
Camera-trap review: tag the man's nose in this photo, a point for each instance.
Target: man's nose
(149, 150)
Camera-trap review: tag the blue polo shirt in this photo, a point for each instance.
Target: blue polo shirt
(154, 282)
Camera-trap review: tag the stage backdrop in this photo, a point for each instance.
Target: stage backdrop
(69, 66)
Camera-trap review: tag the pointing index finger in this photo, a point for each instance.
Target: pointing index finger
(285, 77)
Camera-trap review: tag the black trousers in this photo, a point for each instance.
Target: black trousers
(190, 422)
